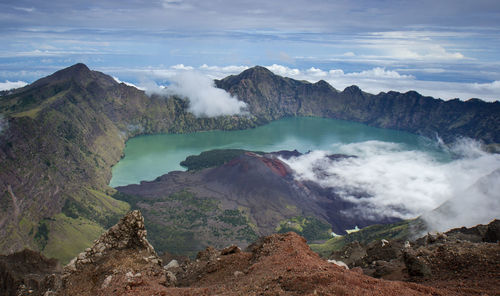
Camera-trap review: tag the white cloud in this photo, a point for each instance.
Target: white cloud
(181, 67)
(12, 84)
(375, 80)
(127, 83)
(493, 86)
(410, 45)
(217, 72)
(427, 52)
(205, 100)
(479, 204)
(25, 9)
(379, 72)
(175, 4)
(284, 71)
(401, 182)
(315, 72)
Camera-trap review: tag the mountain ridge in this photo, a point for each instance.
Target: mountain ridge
(63, 133)
(410, 111)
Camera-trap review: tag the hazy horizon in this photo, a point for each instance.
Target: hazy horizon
(445, 49)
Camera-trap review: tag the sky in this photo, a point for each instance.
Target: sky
(441, 48)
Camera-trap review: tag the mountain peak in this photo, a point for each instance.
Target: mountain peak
(78, 67)
(77, 70)
(256, 71)
(128, 233)
(353, 90)
(78, 73)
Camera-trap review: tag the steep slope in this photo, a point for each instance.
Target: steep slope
(62, 135)
(271, 97)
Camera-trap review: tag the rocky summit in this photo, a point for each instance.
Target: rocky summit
(271, 97)
(463, 260)
(121, 262)
(129, 233)
(122, 254)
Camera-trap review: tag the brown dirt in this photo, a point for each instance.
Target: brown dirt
(27, 271)
(465, 261)
(464, 267)
(280, 264)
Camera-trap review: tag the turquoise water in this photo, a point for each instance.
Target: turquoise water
(147, 157)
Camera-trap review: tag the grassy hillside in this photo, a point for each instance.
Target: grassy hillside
(63, 133)
(366, 235)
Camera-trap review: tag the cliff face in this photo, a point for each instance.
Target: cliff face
(271, 97)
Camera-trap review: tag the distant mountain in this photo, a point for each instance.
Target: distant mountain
(272, 97)
(60, 136)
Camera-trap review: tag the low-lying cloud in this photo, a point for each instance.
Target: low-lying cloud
(407, 183)
(372, 80)
(7, 85)
(478, 204)
(205, 100)
(127, 83)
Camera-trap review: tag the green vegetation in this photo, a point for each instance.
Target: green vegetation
(180, 222)
(96, 206)
(311, 228)
(69, 236)
(173, 239)
(42, 234)
(212, 158)
(232, 217)
(366, 235)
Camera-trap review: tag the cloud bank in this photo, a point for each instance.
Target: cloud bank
(372, 80)
(7, 85)
(205, 100)
(479, 204)
(407, 183)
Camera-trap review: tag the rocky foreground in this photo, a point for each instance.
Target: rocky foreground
(463, 260)
(122, 262)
